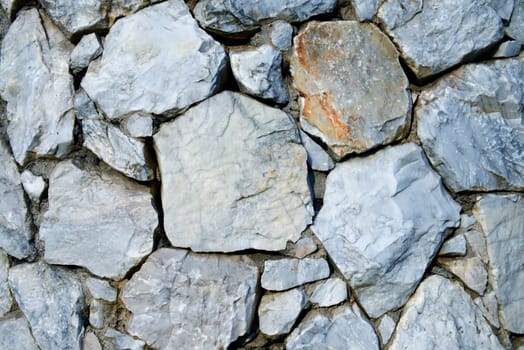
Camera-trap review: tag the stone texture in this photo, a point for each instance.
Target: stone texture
(477, 243)
(489, 307)
(365, 10)
(35, 82)
(5, 294)
(175, 63)
(33, 185)
(96, 314)
(354, 94)
(304, 247)
(504, 8)
(84, 107)
(385, 328)
(138, 125)
(120, 8)
(331, 292)
(509, 48)
(502, 219)
(455, 246)
(281, 35)
(15, 334)
(471, 271)
(278, 312)
(181, 300)
(100, 289)
(382, 228)
(347, 328)
(258, 72)
(515, 29)
(441, 315)
(122, 341)
(91, 342)
(87, 49)
(317, 158)
(284, 274)
(234, 176)
(97, 219)
(52, 300)
(435, 35)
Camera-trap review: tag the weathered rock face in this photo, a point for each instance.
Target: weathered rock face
(441, 315)
(278, 312)
(264, 200)
(383, 228)
(15, 334)
(504, 8)
(101, 289)
(502, 219)
(365, 10)
(181, 300)
(471, 271)
(123, 341)
(434, 35)
(5, 294)
(52, 300)
(331, 292)
(97, 219)
(515, 29)
(471, 128)
(87, 49)
(175, 63)
(354, 94)
(39, 110)
(283, 274)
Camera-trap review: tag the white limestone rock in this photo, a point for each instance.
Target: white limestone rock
(365, 10)
(33, 185)
(15, 334)
(278, 312)
(138, 125)
(504, 8)
(122, 341)
(284, 274)
(331, 292)
(472, 271)
(489, 307)
(182, 300)
(5, 294)
(97, 310)
(382, 228)
(508, 48)
(455, 246)
(91, 342)
(35, 82)
(477, 243)
(386, 326)
(87, 49)
(471, 126)
(467, 220)
(515, 29)
(234, 176)
(97, 219)
(84, 107)
(317, 158)
(441, 315)
(175, 63)
(304, 247)
(281, 34)
(100, 289)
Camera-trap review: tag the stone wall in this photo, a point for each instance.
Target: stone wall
(243, 174)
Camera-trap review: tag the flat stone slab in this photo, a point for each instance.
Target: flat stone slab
(284, 274)
(278, 312)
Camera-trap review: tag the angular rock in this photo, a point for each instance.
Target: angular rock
(281, 35)
(347, 328)
(52, 300)
(91, 342)
(33, 185)
(482, 103)
(509, 48)
(502, 219)
(304, 247)
(471, 271)
(258, 72)
(515, 29)
(354, 93)
(455, 246)
(278, 312)
(101, 289)
(317, 158)
(467, 220)
(504, 8)
(489, 307)
(122, 341)
(181, 300)
(5, 294)
(365, 10)
(331, 292)
(175, 63)
(441, 315)
(121, 152)
(35, 82)
(382, 228)
(15, 334)
(87, 49)
(477, 243)
(284, 274)
(97, 219)
(435, 35)
(138, 125)
(84, 107)
(234, 176)
(386, 326)
(96, 314)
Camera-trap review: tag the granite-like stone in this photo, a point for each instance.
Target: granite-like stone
(100, 289)
(138, 125)
(455, 246)
(385, 328)
(365, 10)
(317, 158)
(304, 247)
(284, 274)
(5, 294)
(383, 228)
(281, 35)
(278, 312)
(175, 63)
(470, 124)
(331, 292)
(472, 271)
(515, 29)
(91, 342)
(122, 341)
(97, 219)
(354, 94)
(181, 300)
(33, 185)
(234, 176)
(15, 334)
(508, 48)
(87, 49)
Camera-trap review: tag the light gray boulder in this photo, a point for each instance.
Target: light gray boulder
(455, 246)
(5, 294)
(101, 289)
(91, 342)
(16, 334)
(281, 34)
(304, 247)
(472, 271)
(278, 312)
(515, 29)
(504, 8)
(87, 49)
(317, 158)
(386, 326)
(284, 274)
(138, 125)
(33, 185)
(508, 48)
(97, 310)
(122, 341)
(331, 292)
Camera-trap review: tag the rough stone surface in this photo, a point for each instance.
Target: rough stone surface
(5, 294)
(509, 48)
(284, 274)
(515, 29)
(441, 315)
(477, 243)
(101, 289)
(489, 307)
(455, 246)
(182, 300)
(386, 326)
(258, 72)
(15, 334)
(278, 312)
(304, 247)
(281, 35)
(482, 105)
(471, 271)
(365, 10)
(502, 219)
(97, 219)
(84, 106)
(138, 125)
(331, 292)
(91, 342)
(347, 328)
(264, 199)
(383, 228)
(504, 8)
(434, 35)
(354, 94)
(317, 158)
(52, 300)
(96, 314)
(175, 63)
(40, 109)
(123, 341)
(33, 185)
(87, 49)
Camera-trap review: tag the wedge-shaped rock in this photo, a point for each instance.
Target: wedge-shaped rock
(283, 274)
(382, 228)
(52, 300)
(502, 219)
(233, 176)
(354, 94)
(5, 294)
(317, 158)
(278, 312)
(174, 63)
(434, 35)
(441, 315)
(471, 126)
(15, 334)
(97, 219)
(331, 292)
(471, 271)
(181, 300)
(87, 49)
(35, 82)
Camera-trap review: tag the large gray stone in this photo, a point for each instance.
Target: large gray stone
(5, 294)
(508, 48)
(97, 219)
(181, 300)
(383, 228)
(35, 82)
(515, 29)
(502, 219)
(52, 300)
(15, 334)
(174, 63)
(434, 35)
(233, 176)
(441, 315)
(471, 126)
(278, 312)
(354, 93)
(472, 271)
(284, 274)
